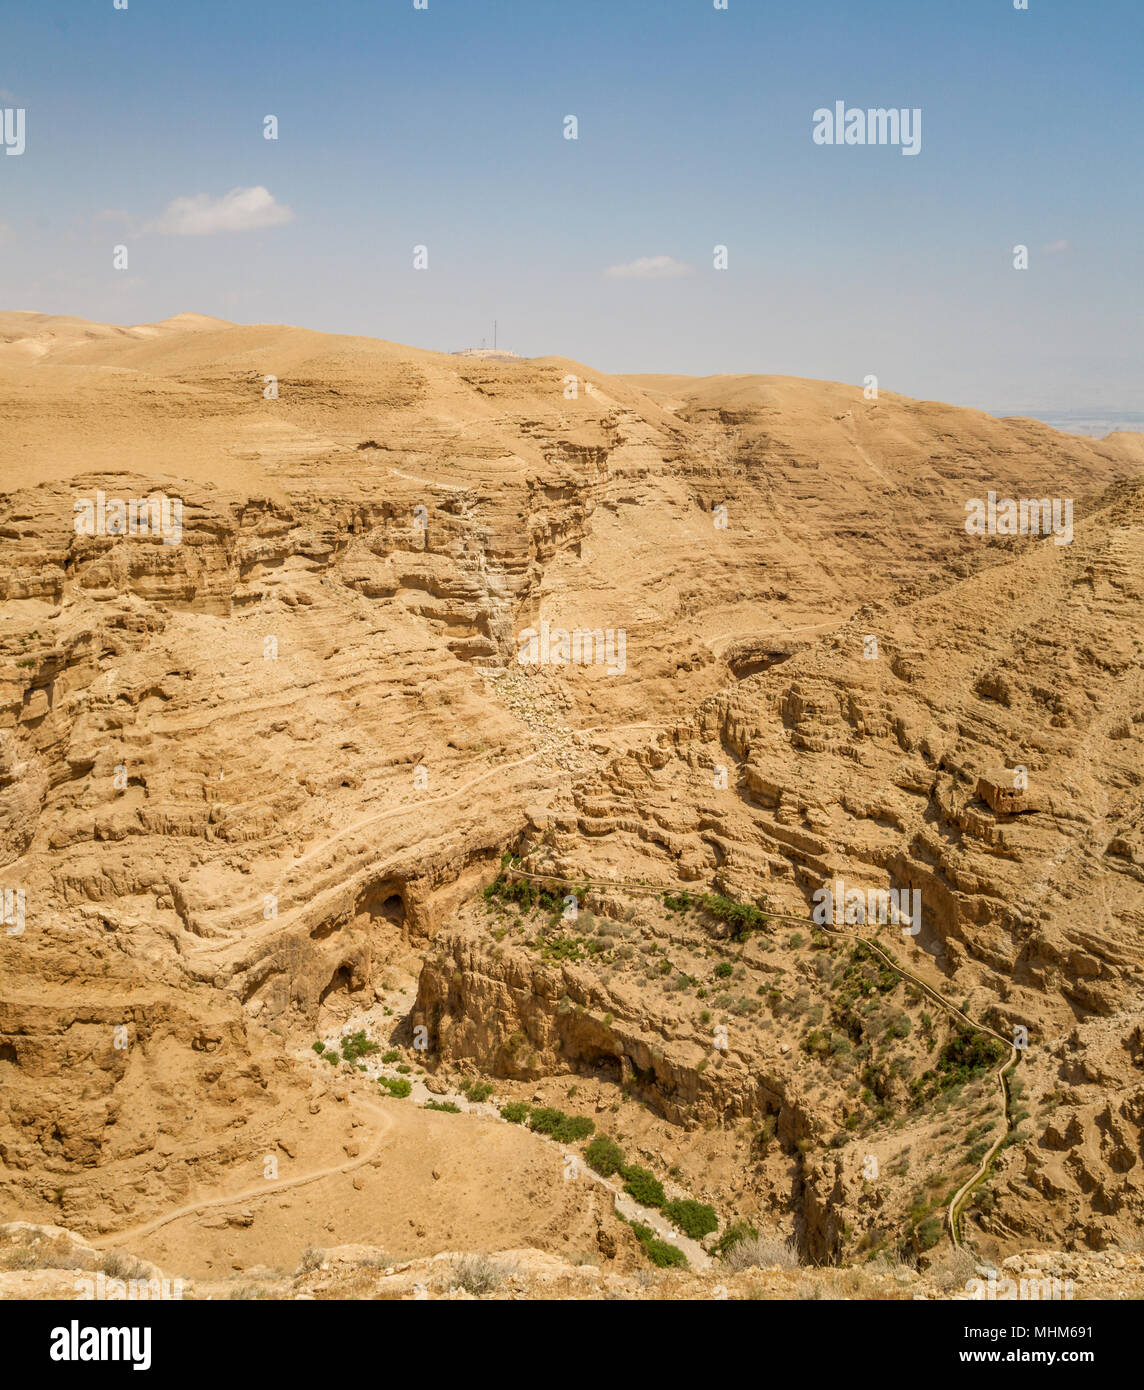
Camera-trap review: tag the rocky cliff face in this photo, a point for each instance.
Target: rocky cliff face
(244, 773)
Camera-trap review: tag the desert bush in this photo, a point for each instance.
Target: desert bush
(48, 1253)
(119, 1266)
(767, 1251)
(928, 1232)
(742, 918)
(565, 1129)
(515, 1111)
(446, 1105)
(604, 1156)
(357, 1045)
(660, 1252)
(643, 1186)
(477, 1091)
(899, 1027)
(735, 1232)
(694, 1219)
(22, 1257)
(395, 1085)
(480, 1274)
(953, 1270)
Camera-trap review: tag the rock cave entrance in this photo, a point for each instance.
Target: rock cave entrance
(341, 979)
(384, 901)
(603, 1066)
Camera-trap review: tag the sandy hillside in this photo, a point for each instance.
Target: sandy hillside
(254, 785)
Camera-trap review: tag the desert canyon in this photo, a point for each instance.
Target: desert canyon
(347, 954)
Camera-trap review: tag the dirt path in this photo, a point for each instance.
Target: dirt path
(958, 1198)
(265, 1189)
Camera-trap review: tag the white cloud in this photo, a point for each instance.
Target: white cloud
(240, 210)
(648, 268)
(1056, 248)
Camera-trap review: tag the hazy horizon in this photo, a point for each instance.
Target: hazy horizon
(444, 128)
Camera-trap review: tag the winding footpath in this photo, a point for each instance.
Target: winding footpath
(264, 1189)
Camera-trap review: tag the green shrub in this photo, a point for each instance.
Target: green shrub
(735, 1234)
(515, 1111)
(604, 1156)
(694, 1219)
(723, 970)
(477, 1091)
(447, 1105)
(969, 1052)
(391, 1056)
(659, 1252)
(357, 1045)
(643, 1186)
(565, 1129)
(395, 1085)
(742, 918)
(929, 1232)
(319, 1046)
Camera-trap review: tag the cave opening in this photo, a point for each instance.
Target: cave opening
(383, 901)
(605, 1067)
(342, 978)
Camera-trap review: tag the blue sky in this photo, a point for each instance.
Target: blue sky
(444, 127)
